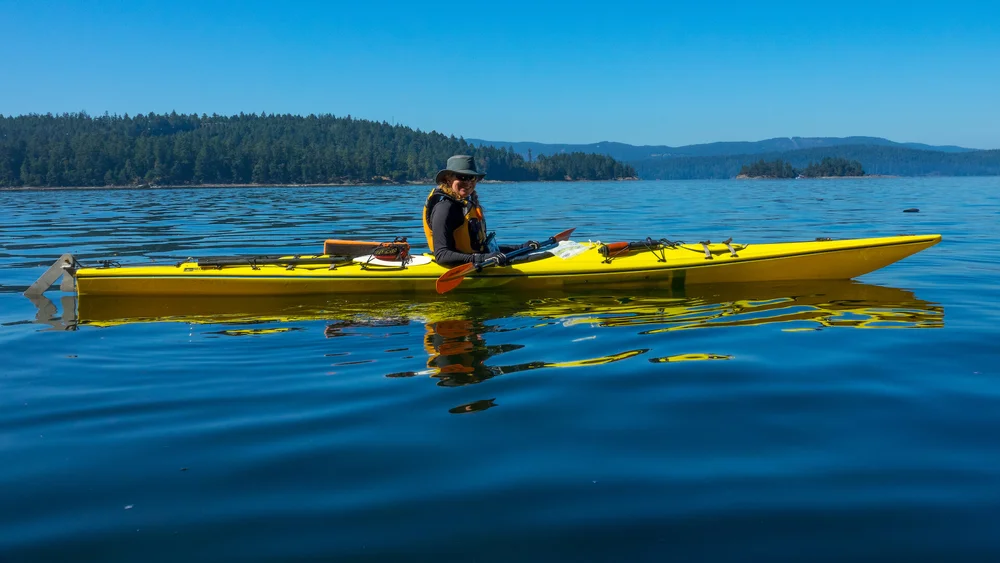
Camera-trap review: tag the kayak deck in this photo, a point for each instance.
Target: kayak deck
(675, 266)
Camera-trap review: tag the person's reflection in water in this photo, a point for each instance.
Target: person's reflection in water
(458, 352)
(474, 406)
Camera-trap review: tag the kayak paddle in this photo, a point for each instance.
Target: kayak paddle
(453, 277)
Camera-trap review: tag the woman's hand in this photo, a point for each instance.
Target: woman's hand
(479, 259)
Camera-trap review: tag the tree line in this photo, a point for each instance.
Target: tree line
(833, 166)
(761, 169)
(76, 149)
(829, 166)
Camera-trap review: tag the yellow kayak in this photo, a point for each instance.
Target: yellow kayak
(565, 266)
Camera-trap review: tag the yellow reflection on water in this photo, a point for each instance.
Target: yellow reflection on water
(811, 305)
(689, 358)
(797, 306)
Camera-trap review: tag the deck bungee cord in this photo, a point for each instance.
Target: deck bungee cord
(613, 250)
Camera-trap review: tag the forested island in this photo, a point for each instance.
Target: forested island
(829, 167)
(76, 149)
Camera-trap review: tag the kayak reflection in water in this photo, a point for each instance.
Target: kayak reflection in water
(455, 332)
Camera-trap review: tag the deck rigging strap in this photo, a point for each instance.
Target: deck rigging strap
(398, 249)
(708, 252)
(255, 262)
(657, 247)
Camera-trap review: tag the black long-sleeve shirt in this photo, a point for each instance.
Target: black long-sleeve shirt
(446, 216)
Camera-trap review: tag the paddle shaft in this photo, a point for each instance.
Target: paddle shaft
(453, 277)
(551, 241)
(514, 254)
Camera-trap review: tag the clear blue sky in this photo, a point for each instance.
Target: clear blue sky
(573, 72)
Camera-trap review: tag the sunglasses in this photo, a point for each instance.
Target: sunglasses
(465, 178)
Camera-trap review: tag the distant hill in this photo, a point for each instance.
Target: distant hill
(623, 151)
(882, 160)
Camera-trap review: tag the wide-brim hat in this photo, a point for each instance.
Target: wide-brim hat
(460, 164)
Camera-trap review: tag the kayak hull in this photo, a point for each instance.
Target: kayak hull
(676, 267)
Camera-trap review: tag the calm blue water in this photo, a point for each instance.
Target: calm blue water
(853, 421)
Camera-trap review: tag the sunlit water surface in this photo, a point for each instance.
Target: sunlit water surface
(847, 421)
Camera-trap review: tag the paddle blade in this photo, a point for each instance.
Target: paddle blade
(564, 235)
(450, 279)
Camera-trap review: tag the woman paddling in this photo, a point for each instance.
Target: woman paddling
(454, 222)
